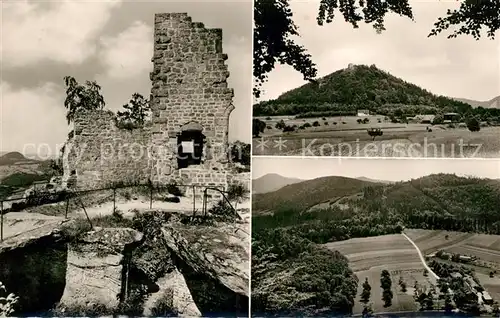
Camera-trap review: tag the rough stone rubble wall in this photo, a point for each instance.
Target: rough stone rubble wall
(189, 85)
(103, 154)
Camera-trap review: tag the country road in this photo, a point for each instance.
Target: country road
(421, 257)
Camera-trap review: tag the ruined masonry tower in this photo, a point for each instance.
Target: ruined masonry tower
(189, 90)
(187, 139)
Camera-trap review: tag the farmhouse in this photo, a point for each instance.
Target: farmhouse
(465, 259)
(456, 275)
(187, 139)
(487, 298)
(363, 112)
(451, 117)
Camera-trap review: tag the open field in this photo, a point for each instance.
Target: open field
(369, 256)
(430, 241)
(348, 138)
(485, 247)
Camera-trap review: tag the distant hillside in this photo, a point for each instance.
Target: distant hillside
(271, 182)
(305, 194)
(374, 180)
(357, 87)
(445, 194)
(492, 103)
(11, 158)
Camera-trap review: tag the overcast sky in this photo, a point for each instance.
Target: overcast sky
(461, 67)
(380, 169)
(110, 41)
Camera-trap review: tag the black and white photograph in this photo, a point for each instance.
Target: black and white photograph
(377, 78)
(125, 158)
(356, 237)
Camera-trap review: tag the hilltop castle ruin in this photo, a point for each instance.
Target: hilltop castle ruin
(187, 139)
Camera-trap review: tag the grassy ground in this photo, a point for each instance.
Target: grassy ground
(348, 138)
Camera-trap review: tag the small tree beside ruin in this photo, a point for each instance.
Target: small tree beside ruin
(81, 96)
(135, 113)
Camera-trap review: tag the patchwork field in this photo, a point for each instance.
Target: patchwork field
(369, 256)
(345, 136)
(483, 246)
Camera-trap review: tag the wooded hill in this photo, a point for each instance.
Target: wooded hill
(362, 87)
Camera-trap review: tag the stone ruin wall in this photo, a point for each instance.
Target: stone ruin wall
(103, 154)
(188, 85)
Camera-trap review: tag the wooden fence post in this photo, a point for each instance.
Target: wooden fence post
(1, 221)
(150, 196)
(194, 199)
(114, 200)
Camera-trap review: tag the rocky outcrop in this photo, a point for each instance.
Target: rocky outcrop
(173, 293)
(221, 252)
(95, 268)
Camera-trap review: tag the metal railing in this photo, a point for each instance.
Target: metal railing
(68, 202)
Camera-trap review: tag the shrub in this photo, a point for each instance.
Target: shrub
(288, 128)
(316, 124)
(325, 123)
(237, 191)
(173, 189)
(7, 301)
(307, 125)
(240, 152)
(280, 125)
(473, 124)
(438, 119)
(172, 199)
(258, 127)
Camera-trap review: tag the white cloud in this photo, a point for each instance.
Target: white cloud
(128, 54)
(33, 119)
(65, 32)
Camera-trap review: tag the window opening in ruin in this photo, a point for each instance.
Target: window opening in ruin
(190, 142)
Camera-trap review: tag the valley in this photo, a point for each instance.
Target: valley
(368, 228)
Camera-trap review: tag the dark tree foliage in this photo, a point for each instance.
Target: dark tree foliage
(258, 127)
(274, 28)
(473, 124)
(136, 111)
(81, 96)
(240, 152)
(365, 294)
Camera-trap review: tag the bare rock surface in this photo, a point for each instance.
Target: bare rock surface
(174, 291)
(220, 251)
(94, 267)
